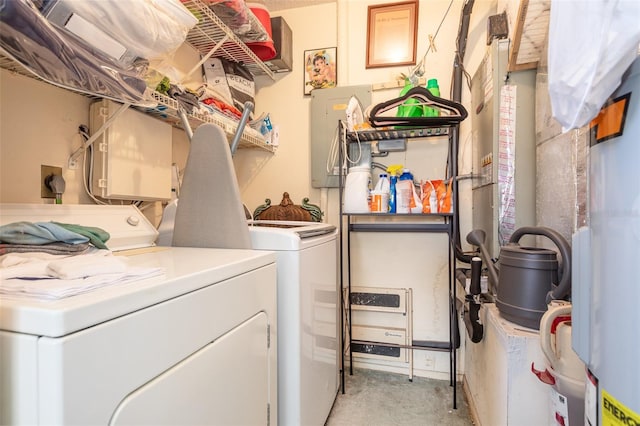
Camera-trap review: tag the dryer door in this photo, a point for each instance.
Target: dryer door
(226, 382)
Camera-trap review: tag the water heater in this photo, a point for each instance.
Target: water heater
(606, 288)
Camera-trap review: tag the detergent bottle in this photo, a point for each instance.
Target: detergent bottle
(407, 199)
(404, 192)
(383, 183)
(380, 195)
(410, 107)
(356, 190)
(393, 180)
(432, 86)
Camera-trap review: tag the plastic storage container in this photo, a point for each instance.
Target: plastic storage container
(564, 371)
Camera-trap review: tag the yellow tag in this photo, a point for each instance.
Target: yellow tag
(614, 413)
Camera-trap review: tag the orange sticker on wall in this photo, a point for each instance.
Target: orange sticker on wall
(610, 121)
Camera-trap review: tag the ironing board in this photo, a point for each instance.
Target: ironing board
(210, 212)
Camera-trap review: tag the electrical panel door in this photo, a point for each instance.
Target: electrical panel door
(328, 106)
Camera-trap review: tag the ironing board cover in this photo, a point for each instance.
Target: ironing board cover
(210, 212)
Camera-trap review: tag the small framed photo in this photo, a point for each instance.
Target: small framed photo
(392, 31)
(320, 69)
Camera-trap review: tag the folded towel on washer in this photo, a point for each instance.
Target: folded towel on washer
(38, 233)
(52, 248)
(41, 233)
(97, 236)
(45, 276)
(86, 266)
(54, 289)
(16, 265)
(97, 262)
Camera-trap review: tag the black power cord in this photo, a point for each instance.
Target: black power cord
(57, 185)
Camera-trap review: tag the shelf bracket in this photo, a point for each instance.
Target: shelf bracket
(207, 56)
(73, 159)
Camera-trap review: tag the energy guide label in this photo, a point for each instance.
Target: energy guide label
(614, 413)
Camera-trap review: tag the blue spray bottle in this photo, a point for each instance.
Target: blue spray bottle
(392, 193)
(393, 179)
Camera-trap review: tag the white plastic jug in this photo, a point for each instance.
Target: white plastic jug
(565, 372)
(555, 341)
(356, 190)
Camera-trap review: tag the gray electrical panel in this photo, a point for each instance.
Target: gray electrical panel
(504, 148)
(328, 106)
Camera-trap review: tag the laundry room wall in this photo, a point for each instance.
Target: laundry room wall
(393, 260)
(263, 175)
(38, 126)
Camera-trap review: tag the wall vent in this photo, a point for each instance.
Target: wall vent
(379, 299)
(372, 341)
(376, 350)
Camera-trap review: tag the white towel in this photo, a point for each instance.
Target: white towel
(36, 265)
(56, 277)
(86, 266)
(54, 289)
(16, 266)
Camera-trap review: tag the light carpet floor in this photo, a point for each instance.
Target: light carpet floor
(378, 398)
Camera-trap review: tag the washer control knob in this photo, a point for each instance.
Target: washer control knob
(133, 221)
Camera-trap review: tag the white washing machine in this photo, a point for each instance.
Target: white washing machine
(195, 345)
(308, 317)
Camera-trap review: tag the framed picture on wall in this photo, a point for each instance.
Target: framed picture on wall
(320, 69)
(392, 31)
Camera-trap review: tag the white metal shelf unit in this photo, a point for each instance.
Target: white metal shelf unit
(418, 223)
(210, 36)
(168, 110)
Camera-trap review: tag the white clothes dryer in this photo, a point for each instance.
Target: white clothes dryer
(196, 345)
(308, 316)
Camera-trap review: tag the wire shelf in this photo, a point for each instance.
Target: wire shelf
(387, 134)
(210, 36)
(168, 110)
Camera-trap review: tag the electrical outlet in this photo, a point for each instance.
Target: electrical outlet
(429, 362)
(46, 171)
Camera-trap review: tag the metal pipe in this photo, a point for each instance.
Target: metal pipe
(454, 138)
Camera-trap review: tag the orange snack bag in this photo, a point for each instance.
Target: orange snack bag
(436, 196)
